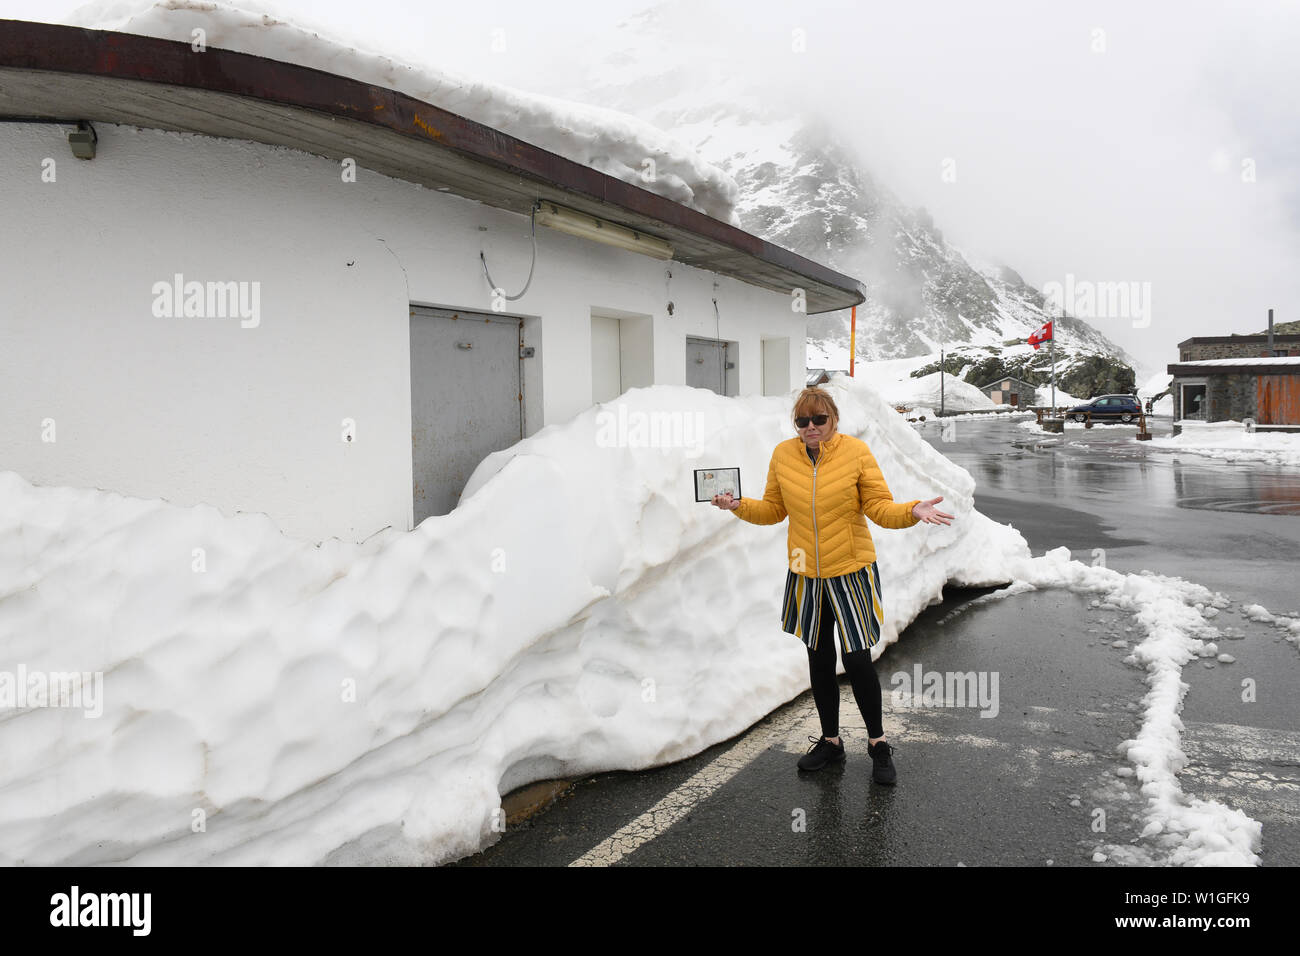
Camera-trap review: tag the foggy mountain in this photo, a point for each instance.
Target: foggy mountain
(804, 188)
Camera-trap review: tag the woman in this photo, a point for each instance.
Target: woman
(825, 481)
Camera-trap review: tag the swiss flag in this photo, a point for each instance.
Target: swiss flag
(1042, 334)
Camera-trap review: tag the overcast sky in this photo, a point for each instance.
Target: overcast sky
(1111, 141)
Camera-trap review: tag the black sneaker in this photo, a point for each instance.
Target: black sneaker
(821, 753)
(882, 766)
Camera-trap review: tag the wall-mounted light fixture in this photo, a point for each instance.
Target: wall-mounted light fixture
(586, 226)
(82, 140)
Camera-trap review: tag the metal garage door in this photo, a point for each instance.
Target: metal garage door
(711, 364)
(1277, 398)
(466, 399)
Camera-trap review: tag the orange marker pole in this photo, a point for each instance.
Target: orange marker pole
(853, 338)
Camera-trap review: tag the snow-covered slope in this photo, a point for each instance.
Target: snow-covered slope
(612, 142)
(958, 396)
(923, 292)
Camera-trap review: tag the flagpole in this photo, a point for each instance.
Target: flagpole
(1051, 347)
(853, 338)
(941, 380)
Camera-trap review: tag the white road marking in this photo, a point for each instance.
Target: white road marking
(1266, 784)
(789, 737)
(677, 804)
(1247, 744)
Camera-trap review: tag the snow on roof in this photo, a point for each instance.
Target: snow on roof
(612, 142)
(1255, 360)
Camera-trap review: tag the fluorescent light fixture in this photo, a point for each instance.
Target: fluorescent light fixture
(600, 230)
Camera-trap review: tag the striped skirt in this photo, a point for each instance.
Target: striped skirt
(855, 599)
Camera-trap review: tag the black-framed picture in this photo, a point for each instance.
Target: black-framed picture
(716, 481)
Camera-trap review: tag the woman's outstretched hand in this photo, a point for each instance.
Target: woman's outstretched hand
(726, 502)
(927, 512)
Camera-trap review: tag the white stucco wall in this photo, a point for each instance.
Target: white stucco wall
(250, 419)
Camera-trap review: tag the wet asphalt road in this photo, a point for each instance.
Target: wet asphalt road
(1022, 787)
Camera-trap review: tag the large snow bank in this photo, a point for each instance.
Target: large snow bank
(577, 612)
(1063, 398)
(612, 142)
(269, 701)
(958, 395)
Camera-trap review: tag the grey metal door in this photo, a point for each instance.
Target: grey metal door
(466, 399)
(708, 365)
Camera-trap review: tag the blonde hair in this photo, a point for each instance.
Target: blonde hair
(815, 401)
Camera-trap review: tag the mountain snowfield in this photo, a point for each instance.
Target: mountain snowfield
(271, 701)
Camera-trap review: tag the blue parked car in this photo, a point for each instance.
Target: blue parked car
(1122, 408)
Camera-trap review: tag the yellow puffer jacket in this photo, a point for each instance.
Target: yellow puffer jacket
(828, 534)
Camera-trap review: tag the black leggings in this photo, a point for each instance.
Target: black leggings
(825, 686)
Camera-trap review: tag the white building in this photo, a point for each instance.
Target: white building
(335, 357)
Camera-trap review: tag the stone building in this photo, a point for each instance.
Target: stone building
(1236, 346)
(1009, 390)
(1235, 377)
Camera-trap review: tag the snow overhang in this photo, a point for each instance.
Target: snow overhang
(57, 73)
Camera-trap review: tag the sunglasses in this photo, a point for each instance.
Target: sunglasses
(803, 420)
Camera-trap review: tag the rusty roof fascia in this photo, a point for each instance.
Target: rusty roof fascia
(61, 48)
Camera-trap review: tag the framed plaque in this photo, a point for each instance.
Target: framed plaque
(716, 481)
